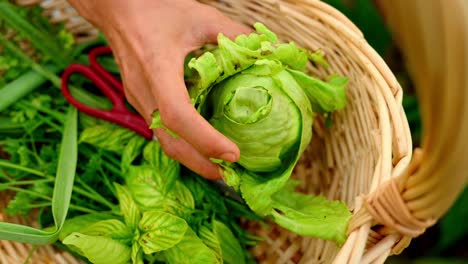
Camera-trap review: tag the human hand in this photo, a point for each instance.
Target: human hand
(150, 40)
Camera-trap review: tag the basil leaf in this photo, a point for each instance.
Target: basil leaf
(131, 151)
(230, 247)
(166, 169)
(111, 228)
(148, 190)
(129, 209)
(211, 240)
(160, 231)
(190, 250)
(76, 224)
(107, 136)
(98, 249)
(137, 254)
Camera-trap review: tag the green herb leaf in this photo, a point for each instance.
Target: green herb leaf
(62, 191)
(80, 222)
(149, 189)
(111, 228)
(137, 254)
(129, 208)
(167, 170)
(157, 123)
(160, 231)
(98, 249)
(190, 250)
(211, 240)
(107, 136)
(230, 247)
(131, 152)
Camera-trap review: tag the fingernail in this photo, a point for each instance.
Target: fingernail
(228, 156)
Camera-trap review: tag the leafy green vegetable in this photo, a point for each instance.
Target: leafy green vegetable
(230, 247)
(111, 228)
(80, 222)
(255, 91)
(209, 238)
(43, 42)
(61, 194)
(107, 136)
(98, 249)
(160, 231)
(128, 207)
(191, 250)
(310, 215)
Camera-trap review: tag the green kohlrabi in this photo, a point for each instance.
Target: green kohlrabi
(256, 92)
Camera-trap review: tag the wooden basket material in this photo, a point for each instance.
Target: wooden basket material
(434, 38)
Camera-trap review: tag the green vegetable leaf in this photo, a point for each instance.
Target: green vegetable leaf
(149, 190)
(190, 250)
(318, 58)
(62, 191)
(160, 231)
(230, 247)
(310, 215)
(111, 228)
(255, 91)
(131, 152)
(211, 240)
(80, 222)
(158, 123)
(166, 169)
(107, 136)
(129, 208)
(98, 249)
(137, 254)
(324, 96)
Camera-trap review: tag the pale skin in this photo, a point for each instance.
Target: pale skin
(150, 39)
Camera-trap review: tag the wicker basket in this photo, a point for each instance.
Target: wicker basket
(365, 158)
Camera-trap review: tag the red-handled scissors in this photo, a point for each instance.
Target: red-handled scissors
(111, 87)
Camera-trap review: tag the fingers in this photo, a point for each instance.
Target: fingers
(179, 149)
(222, 24)
(212, 23)
(137, 89)
(179, 115)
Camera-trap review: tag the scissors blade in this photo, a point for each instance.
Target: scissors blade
(228, 191)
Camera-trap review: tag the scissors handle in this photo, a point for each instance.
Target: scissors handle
(93, 62)
(119, 114)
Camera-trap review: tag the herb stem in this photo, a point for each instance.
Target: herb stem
(92, 194)
(31, 193)
(6, 164)
(82, 209)
(26, 182)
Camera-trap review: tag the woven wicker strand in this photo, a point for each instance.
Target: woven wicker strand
(365, 159)
(414, 201)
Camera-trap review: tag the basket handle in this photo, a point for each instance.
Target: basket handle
(433, 36)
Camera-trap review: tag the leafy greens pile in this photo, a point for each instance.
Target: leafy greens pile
(130, 202)
(256, 92)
